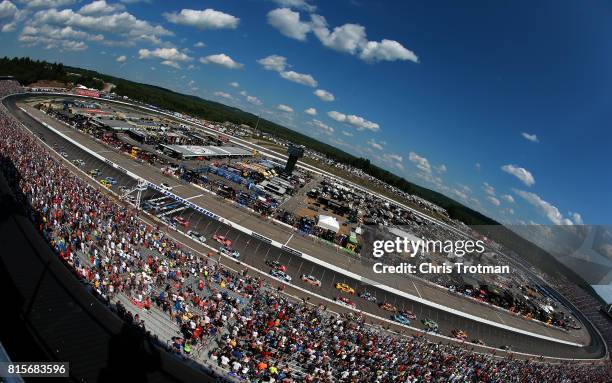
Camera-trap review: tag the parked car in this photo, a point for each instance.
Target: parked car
(197, 236)
(344, 288)
(400, 319)
(346, 302)
(166, 186)
(280, 275)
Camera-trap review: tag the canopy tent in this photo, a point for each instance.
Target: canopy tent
(329, 223)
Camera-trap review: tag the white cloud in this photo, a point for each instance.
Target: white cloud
(421, 162)
(206, 19)
(121, 59)
(352, 39)
(348, 134)
(47, 3)
(222, 60)
(324, 95)
(234, 84)
(488, 189)
(129, 28)
(577, 218)
(199, 44)
(253, 100)
(394, 160)
(296, 4)
(358, 122)
(300, 78)
(50, 37)
(530, 137)
(493, 200)
(172, 54)
(546, 208)
(441, 169)
(508, 198)
(386, 50)
(274, 62)
(521, 173)
(376, 145)
(224, 95)
(171, 63)
(477, 166)
(311, 111)
(288, 23)
(285, 108)
(7, 10)
(324, 127)
(100, 7)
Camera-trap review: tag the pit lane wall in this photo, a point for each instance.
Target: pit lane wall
(296, 252)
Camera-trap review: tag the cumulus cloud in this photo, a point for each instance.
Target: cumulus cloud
(394, 160)
(224, 95)
(488, 189)
(199, 44)
(349, 38)
(203, 19)
(234, 84)
(493, 200)
(100, 7)
(311, 111)
(324, 127)
(222, 60)
(288, 23)
(300, 78)
(522, 174)
(441, 169)
(7, 10)
(508, 198)
(421, 163)
(348, 134)
(285, 108)
(128, 27)
(50, 37)
(274, 62)
(577, 218)
(121, 59)
(530, 137)
(279, 64)
(253, 100)
(358, 122)
(170, 54)
(296, 4)
(375, 145)
(47, 3)
(171, 63)
(324, 95)
(546, 208)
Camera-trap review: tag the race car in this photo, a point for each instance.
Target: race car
(408, 314)
(197, 236)
(346, 302)
(459, 334)
(311, 280)
(344, 288)
(106, 183)
(111, 180)
(367, 296)
(166, 186)
(222, 239)
(400, 319)
(280, 275)
(430, 325)
(95, 172)
(388, 307)
(276, 265)
(478, 341)
(181, 221)
(229, 251)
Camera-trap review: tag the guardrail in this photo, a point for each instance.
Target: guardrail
(307, 257)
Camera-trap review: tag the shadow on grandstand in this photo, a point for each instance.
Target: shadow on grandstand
(49, 314)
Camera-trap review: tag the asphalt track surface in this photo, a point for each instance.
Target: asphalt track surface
(256, 252)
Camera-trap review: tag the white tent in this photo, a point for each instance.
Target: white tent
(329, 223)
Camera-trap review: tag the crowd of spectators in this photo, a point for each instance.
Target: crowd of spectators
(249, 329)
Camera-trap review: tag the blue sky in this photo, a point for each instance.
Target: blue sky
(504, 106)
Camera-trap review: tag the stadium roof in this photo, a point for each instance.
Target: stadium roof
(208, 151)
